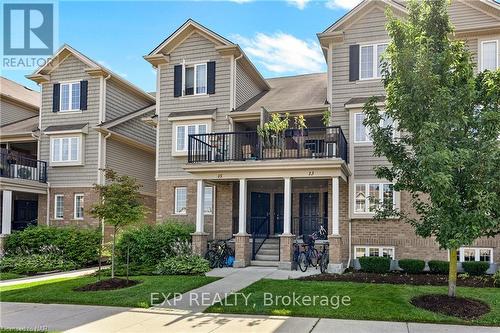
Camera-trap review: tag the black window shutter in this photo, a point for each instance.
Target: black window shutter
(177, 80)
(83, 94)
(353, 62)
(211, 77)
(56, 95)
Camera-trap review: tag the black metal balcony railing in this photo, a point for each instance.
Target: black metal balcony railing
(15, 165)
(321, 142)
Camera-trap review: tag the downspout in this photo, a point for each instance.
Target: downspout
(214, 212)
(47, 222)
(350, 245)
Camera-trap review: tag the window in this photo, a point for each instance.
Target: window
(195, 79)
(208, 200)
(65, 149)
(374, 251)
(183, 132)
(370, 63)
(180, 200)
(58, 206)
(70, 96)
(370, 197)
(362, 133)
(489, 55)
(475, 254)
(78, 206)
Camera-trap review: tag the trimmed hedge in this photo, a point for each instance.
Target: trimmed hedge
(412, 266)
(375, 264)
(183, 265)
(475, 267)
(35, 263)
(439, 266)
(79, 246)
(149, 244)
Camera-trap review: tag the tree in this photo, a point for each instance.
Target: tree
(446, 152)
(119, 205)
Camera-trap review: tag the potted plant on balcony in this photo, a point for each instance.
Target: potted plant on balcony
(271, 134)
(331, 134)
(298, 133)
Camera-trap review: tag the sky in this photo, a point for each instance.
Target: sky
(278, 36)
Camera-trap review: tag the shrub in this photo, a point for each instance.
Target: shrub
(496, 279)
(375, 264)
(183, 265)
(475, 267)
(412, 266)
(35, 263)
(439, 266)
(80, 246)
(149, 244)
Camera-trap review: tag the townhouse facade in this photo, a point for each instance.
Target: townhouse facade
(88, 119)
(217, 170)
(199, 150)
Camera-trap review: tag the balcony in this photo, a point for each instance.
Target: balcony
(309, 143)
(19, 166)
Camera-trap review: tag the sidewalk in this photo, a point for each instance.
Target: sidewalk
(76, 273)
(97, 319)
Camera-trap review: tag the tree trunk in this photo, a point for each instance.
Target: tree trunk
(113, 254)
(452, 276)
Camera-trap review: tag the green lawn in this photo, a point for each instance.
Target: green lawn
(368, 301)
(10, 276)
(61, 291)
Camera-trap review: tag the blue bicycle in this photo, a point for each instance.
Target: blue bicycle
(310, 255)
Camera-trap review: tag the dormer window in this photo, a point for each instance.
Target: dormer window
(195, 80)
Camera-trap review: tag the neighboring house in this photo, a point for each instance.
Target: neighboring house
(90, 119)
(214, 170)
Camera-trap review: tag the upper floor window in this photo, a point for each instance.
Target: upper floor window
(65, 149)
(370, 63)
(371, 196)
(70, 96)
(183, 132)
(489, 55)
(195, 79)
(475, 254)
(362, 133)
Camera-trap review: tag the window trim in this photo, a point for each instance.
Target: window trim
(175, 126)
(367, 131)
(477, 253)
(56, 206)
(482, 53)
(70, 102)
(211, 202)
(176, 212)
(375, 60)
(380, 250)
(79, 153)
(77, 195)
(367, 196)
(194, 66)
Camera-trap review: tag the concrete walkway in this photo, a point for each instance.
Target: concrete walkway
(44, 277)
(99, 319)
(233, 280)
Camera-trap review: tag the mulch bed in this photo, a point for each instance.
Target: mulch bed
(108, 284)
(464, 308)
(402, 278)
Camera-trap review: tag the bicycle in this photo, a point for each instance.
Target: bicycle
(324, 259)
(309, 256)
(218, 253)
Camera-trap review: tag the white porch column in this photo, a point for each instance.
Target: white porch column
(287, 207)
(242, 221)
(200, 200)
(335, 206)
(6, 212)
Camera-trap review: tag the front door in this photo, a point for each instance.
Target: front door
(309, 213)
(260, 205)
(25, 213)
(278, 213)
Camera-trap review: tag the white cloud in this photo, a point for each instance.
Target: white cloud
(300, 4)
(343, 4)
(283, 53)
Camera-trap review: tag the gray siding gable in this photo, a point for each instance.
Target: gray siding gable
(246, 88)
(136, 129)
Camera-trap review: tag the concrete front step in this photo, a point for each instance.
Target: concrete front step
(269, 247)
(269, 251)
(264, 263)
(266, 257)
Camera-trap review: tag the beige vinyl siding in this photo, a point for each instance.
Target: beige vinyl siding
(71, 69)
(365, 162)
(11, 112)
(196, 48)
(120, 101)
(136, 129)
(465, 17)
(128, 160)
(245, 86)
